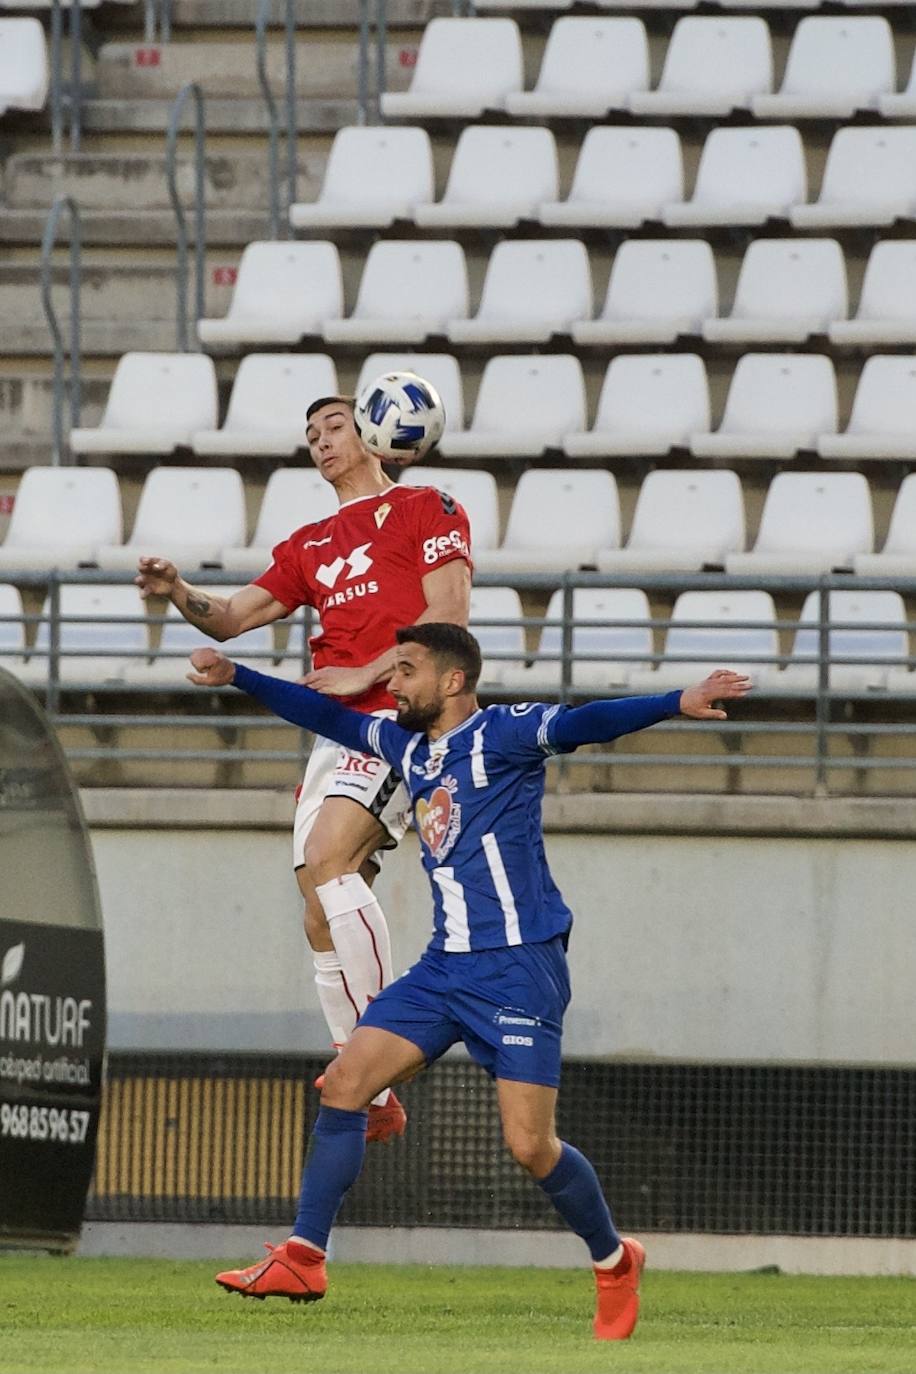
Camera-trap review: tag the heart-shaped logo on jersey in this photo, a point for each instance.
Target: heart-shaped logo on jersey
(433, 818)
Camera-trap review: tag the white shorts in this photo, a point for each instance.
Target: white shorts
(333, 771)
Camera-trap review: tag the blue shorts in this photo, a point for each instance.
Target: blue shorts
(506, 1005)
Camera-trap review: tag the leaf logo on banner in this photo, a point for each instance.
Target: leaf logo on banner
(12, 964)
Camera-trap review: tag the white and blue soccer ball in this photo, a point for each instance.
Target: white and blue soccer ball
(399, 417)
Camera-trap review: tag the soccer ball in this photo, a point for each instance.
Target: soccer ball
(399, 417)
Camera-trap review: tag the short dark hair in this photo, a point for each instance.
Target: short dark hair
(348, 401)
(452, 645)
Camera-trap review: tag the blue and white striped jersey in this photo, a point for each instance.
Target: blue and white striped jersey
(476, 795)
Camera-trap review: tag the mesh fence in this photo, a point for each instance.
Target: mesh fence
(803, 1151)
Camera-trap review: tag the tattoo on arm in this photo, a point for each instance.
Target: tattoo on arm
(199, 605)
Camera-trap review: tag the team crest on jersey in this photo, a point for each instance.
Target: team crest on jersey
(439, 818)
(382, 514)
(432, 767)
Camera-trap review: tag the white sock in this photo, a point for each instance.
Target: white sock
(613, 1259)
(339, 1009)
(361, 941)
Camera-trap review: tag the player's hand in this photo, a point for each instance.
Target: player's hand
(211, 668)
(338, 682)
(722, 685)
(155, 577)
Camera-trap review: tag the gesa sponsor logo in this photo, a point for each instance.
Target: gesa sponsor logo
(441, 544)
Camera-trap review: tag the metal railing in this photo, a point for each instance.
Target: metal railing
(157, 21)
(192, 89)
(835, 727)
(273, 172)
(71, 389)
(72, 94)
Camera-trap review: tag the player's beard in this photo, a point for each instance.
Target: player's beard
(420, 716)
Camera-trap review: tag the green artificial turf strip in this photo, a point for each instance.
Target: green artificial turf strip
(79, 1315)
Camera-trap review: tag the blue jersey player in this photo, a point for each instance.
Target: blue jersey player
(494, 975)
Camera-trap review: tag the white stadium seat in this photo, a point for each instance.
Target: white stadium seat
(533, 289)
(898, 557)
(869, 617)
(12, 631)
(712, 66)
(900, 104)
(558, 520)
(464, 67)
(23, 65)
(374, 176)
(441, 369)
(869, 179)
(788, 289)
(60, 517)
(283, 292)
(499, 175)
(185, 514)
(604, 655)
(745, 176)
(739, 633)
(812, 523)
(169, 667)
(293, 497)
(684, 521)
(266, 415)
(883, 419)
(590, 66)
(409, 290)
(156, 403)
(525, 405)
(658, 290)
(99, 651)
(777, 405)
(836, 66)
(472, 489)
(887, 305)
(649, 404)
(506, 640)
(623, 177)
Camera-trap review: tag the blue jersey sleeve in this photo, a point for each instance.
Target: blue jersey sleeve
(533, 730)
(325, 715)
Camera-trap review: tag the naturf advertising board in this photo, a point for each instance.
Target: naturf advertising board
(52, 986)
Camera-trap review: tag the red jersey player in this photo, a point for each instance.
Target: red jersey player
(391, 556)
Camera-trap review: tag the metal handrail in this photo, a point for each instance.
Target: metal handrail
(73, 387)
(75, 102)
(292, 114)
(158, 21)
(181, 239)
(261, 22)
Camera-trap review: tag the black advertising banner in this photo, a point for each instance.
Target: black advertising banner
(52, 985)
(52, 1045)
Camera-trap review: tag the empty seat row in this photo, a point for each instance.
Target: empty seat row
(536, 289)
(713, 65)
(104, 641)
(778, 405)
(559, 520)
(625, 176)
(23, 65)
(613, 638)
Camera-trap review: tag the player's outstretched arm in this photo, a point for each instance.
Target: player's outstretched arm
(722, 685)
(220, 617)
(293, 702)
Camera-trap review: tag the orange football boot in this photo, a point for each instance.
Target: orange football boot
(618, 1295)
(292, 1270)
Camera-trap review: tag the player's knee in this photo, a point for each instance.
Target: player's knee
(324, 861)
(532, 1150)
(344, 1087)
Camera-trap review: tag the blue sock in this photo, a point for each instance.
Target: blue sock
(574, 1190)
(334, 1160)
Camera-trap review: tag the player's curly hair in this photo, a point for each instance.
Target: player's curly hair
(452, 645)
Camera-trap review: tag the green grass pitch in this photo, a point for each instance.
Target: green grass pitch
(128, 1316)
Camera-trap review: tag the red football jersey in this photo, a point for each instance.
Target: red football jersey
(362, 570)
